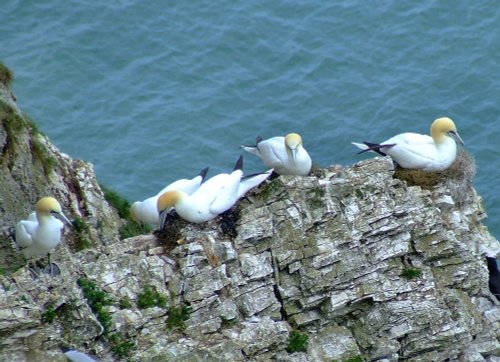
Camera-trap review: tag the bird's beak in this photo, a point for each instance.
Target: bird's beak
(457, 137)
(163, 219)
(62, 217)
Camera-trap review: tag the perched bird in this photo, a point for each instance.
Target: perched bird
(41, 232)
(286, 155)
(494, 281)
(146, 212)
(416, 151)
(216, 195)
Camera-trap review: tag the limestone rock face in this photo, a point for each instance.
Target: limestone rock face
(30, 168)
(349, 264)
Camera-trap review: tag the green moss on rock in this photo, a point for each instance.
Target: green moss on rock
(6, 75)
(297, 342)
(97, 300)
(151, 298)
(177, 316)
(41, 155)
(13, 124)
(412, 273)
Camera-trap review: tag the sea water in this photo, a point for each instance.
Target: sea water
(153, 91)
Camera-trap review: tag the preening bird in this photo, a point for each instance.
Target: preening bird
(146, 211)
(213, 197)
(421, 152)
(41, 232)
(286, 155)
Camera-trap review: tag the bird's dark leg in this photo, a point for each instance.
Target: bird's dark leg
(33, 268)
(52, 268)
(33, 271)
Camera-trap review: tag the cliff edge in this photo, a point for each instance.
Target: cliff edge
(359, 263)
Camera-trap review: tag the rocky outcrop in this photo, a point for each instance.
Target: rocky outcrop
(32, 167)
(350, 264)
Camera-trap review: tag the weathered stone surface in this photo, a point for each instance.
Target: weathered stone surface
(31, 167)
(363, 263)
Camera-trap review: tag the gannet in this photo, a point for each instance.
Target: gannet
(77, 356)
(416, 151)
(286, 155)
(41, 232)
(216, 195)
(146, 212)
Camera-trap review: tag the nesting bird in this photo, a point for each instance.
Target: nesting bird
(286, 155)
(421, 152)
(41, 232)
(213, 197)
(146, 211)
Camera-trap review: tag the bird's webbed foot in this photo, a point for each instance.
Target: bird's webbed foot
(52, 269)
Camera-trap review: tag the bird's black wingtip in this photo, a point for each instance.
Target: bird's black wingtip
(203, 173)
(239, 164)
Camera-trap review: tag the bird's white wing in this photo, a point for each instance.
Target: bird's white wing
(147, 211)
(227, 194)
(410, 139)
(77, 356)
(267, 149)
(419, 147)
(251, 182)
(273, 152)
(187, 186)
(209, 190)
(24, 231)
(184, 185)
(32, 217)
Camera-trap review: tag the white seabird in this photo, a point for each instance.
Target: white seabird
(286, 155)
(146, 211)
(77, 356)
(421, 152)
(41, 232)
(216, 195)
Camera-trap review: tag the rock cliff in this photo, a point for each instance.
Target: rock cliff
(360, 263)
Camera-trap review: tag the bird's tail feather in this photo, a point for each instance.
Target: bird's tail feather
(375, 147)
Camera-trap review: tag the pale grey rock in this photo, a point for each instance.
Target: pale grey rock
(256, 266)
(333, 343)
(262, 336)
(256, 298)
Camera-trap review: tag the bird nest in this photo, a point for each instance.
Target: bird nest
(457, 178)
(462, 170)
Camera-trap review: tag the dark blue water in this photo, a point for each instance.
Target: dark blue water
(150, 92)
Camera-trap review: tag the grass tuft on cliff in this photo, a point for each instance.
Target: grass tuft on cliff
(122, 206)
(297, 342)
(97, 300)
(121, 344)
(6, 75)
(177, 316)
(151, 298)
